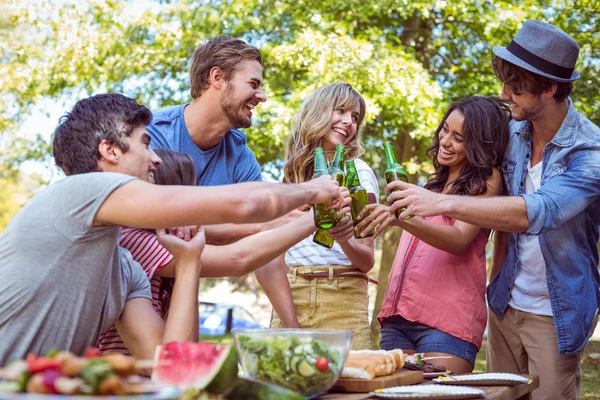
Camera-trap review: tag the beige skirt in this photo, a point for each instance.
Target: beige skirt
(331, 302)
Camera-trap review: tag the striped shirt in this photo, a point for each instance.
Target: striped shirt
(152, 256)
(307, 253)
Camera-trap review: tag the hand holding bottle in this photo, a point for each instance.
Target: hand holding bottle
(325, 189)
(374, 216)
(414, 199)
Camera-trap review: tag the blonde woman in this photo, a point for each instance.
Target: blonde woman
(329, 286)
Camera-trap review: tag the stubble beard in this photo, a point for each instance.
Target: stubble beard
(530, 113)
(229, 107)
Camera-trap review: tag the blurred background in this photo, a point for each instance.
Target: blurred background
(409, 59)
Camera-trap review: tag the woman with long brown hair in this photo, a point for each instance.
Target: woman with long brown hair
(435, 298)
(329, 286)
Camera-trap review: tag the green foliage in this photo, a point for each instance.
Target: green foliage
(408, 58)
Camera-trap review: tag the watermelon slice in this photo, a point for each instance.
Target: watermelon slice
(201, 366)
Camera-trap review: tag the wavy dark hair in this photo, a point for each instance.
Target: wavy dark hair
(111, 117)
(485, 133)
(176, 169)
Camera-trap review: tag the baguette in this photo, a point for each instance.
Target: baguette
(383, 363)
(360, 369)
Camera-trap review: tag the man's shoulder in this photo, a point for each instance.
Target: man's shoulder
(587, 130)
(166, 115)
(91, 179)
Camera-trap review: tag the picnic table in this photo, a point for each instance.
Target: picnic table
(521, 391)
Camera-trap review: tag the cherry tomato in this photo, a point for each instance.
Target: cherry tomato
(92, 352)
(322, 364)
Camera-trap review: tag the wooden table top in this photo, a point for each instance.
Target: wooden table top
(521, 391)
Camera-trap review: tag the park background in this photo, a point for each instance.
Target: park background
(409, 59)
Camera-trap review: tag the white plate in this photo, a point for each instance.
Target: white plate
(487, 378)
(166, 393)
(435, 392)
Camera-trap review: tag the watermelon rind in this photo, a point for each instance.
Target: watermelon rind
(218, 379)
(250, 389)
(223, 382)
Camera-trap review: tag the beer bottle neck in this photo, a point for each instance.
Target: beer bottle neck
(390, 156)
(320, 162)
(338, 159)
(353, 179)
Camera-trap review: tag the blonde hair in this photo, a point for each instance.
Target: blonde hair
(313, 123)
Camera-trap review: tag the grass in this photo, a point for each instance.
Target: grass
(590, 381)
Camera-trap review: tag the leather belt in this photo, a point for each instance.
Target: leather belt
(338, 273)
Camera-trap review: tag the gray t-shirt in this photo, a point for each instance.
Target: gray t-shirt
(63, 281)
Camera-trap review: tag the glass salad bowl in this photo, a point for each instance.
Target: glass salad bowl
(306, 361)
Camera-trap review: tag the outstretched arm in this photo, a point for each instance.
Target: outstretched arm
(228, 233)
(453, 239)
(143, 205)
(558, 200)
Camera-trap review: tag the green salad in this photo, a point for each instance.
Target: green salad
(304, 366)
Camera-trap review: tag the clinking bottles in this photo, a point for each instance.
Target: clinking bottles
(324, 219)
(359, 197)
(394, 170)
(336, 170)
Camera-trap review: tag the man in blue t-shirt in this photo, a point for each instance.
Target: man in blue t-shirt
(226, 85)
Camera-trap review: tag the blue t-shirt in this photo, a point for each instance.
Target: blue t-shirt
(230, 161)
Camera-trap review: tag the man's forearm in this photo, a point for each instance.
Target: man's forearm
(507, 214)
(272, 277)
(223, 234)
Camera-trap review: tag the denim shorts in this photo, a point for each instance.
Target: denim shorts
(400, 333)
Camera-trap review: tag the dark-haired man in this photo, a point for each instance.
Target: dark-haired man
(64, 279)
(226, 84)
(544, 298)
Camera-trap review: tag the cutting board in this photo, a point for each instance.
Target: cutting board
(398, 378)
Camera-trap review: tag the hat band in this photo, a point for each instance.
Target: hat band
(538, 62)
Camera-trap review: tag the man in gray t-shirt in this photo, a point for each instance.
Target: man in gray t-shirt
(63, 278)
(84, 264)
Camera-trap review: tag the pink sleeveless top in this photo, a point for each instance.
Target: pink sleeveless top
(438, 289)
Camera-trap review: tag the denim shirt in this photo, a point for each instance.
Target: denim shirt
(565, 214)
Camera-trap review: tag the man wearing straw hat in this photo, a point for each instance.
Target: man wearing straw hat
(544, 292)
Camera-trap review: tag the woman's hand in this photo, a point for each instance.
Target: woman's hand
(344, 230)
(380, 216)
(183, 250)
(184, 232)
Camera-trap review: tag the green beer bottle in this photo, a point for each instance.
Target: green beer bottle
(394, 170)
(322, 236)
(336, 170)
(359, 197)
(324, 219)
